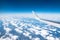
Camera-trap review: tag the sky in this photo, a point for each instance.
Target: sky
(24, 6)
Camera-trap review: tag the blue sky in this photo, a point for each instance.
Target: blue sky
(29, 5)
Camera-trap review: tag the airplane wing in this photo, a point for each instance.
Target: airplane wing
(49, 22)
